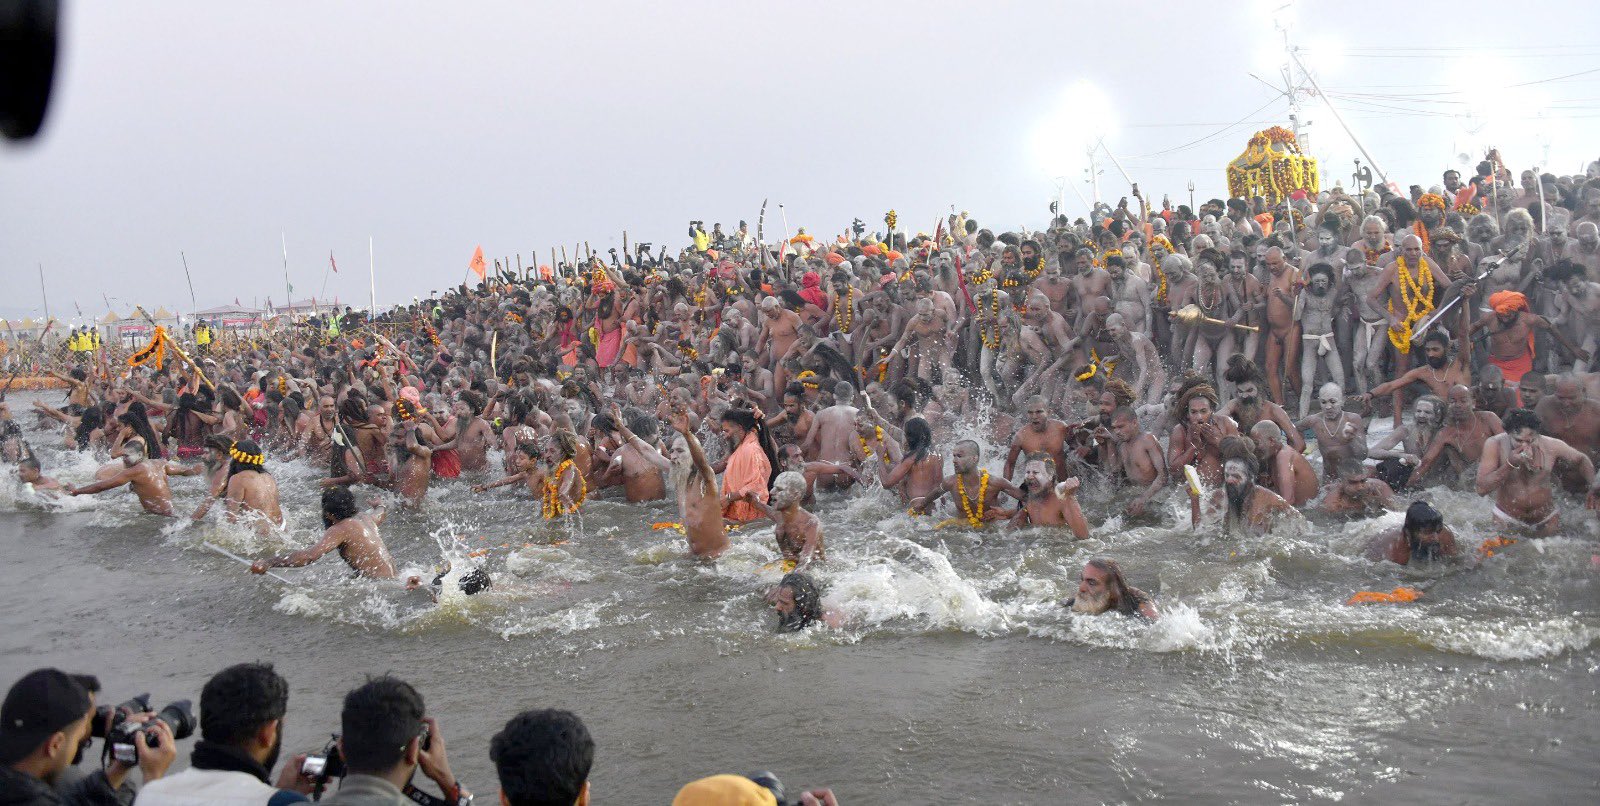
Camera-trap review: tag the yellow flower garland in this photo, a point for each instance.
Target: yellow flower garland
(994, 316)
(974, 518)
(844, 313)
(553, 508)
(864, 448)
(1416, 294)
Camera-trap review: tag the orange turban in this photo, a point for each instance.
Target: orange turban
(833, 258)
(871, 249)
(1508, 301)
(892, 256)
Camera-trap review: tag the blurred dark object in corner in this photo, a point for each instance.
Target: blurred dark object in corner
(27, 64)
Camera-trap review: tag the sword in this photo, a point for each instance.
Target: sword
(230, 555)
(1493, 263)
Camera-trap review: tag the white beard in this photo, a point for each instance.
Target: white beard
(1092, 605)
(678, 477)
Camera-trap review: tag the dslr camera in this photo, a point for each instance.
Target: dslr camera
(319, 767)
(124, 737)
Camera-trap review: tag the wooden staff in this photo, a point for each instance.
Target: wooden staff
(177, 349)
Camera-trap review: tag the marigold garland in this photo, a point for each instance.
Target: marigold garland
(865, 449)
(974, 518)
(553, 508)
(844, 310)
(1416, 294)
(994, 318)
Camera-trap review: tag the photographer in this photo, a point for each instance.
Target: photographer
(385, 738)
(543, 758)
(45, 724)
(241, 724)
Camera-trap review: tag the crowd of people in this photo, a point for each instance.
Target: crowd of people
(1166, 359)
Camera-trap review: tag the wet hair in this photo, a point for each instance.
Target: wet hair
(379, 719)
(1518, 419)
(747, 420)
(93, 417)
(353, 409)
(542, 758)
(566, 442)
(1200, 390)
(338, 504)
(1419, 516)
(237, 701)
(247, 447)
(219, 442)
(1441, 338)
(1116, 582)
(807, 601)
(1241, 448)
(136, 419)
(1351, 466)
(919, 438)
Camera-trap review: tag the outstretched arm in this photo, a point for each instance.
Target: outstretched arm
(331, 540)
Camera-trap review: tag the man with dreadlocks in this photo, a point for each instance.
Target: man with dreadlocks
(1197, 437)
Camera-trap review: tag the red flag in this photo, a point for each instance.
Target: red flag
(477, 265)
(331, 263)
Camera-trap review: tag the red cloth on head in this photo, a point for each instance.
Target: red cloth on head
(811, 289)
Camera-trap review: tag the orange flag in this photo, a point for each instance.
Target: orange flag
(477, 265)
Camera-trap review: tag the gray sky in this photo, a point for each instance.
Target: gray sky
(218, 128)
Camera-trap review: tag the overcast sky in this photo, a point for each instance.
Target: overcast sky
(217, 129)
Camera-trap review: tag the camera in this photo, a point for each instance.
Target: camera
(124, 736)
(319, 767)
(771, 783)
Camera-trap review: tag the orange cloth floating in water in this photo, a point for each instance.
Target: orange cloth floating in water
(1399, 595)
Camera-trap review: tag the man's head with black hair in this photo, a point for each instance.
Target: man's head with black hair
(380, 720)
(242, 707)
(543, 759)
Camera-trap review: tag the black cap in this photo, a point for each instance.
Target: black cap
(40, 704)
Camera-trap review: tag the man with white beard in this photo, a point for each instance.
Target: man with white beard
(694, 484)
(1103, 589)
(1246, 506)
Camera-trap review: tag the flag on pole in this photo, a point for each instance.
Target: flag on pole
(331, 263)
(477, 265)
(237, 303)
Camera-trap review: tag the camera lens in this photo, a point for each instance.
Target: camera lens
(179, 717)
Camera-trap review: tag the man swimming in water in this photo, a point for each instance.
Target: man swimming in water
(1517, 467)
(1356, 494)
(1246, 506)
(146, 477)
(1103, 589)
(1423, 536)
(353, 534)
(798, 602)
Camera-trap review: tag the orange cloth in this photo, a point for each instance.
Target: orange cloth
(1265, 220)
(1398, 596)
(1514, 369)
(748, 469)
(1508, 301)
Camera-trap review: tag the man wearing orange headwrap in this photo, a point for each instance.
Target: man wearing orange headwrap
(1511, 329)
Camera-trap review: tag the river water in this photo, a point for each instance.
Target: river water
(957, 677)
